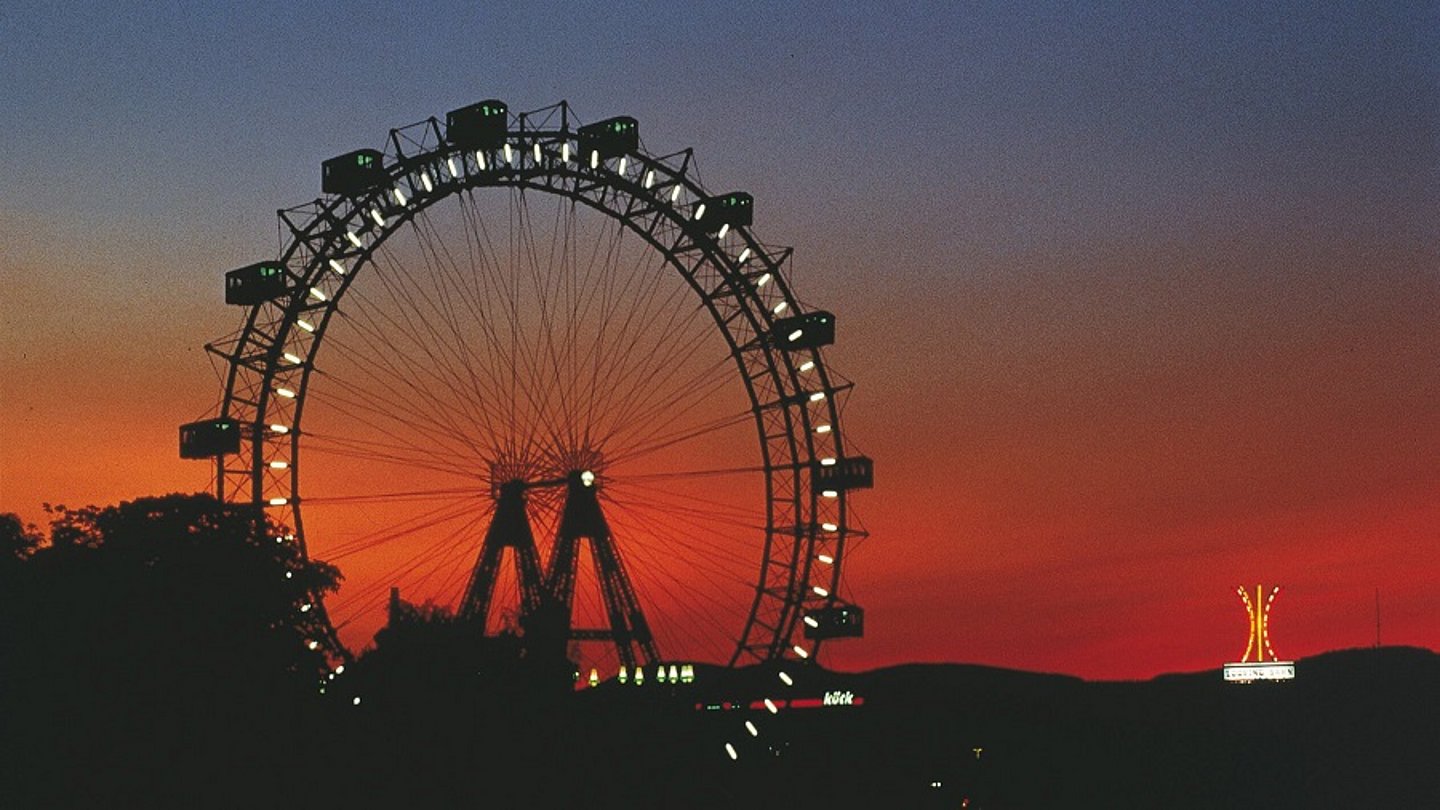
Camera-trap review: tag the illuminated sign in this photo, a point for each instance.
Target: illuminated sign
(1257, 619)
(828, 700)
(1267, 671)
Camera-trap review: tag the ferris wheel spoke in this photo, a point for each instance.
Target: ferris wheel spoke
(553, 388)
(600, 347)
(374, 595)
(466, 375)
(384, 497)
(659, 377)
(708, 599)
(436, 349)
(490, 284)
(644, 424)
(680, 437)
(430, 437)
(669, 476)
(393, 370)
(536, 424)
(652, 349)
(651, 369)
(620, 373)
(718, 517)
(451, 283)
(398, 461)
(403, 454)
(453, 542)
(403, 528)
(713, 520)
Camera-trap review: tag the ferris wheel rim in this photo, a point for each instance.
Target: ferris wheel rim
(311, 244)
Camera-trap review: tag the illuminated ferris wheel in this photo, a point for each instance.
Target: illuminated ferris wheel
(528, 371)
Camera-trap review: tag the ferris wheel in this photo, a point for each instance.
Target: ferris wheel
(527, 371)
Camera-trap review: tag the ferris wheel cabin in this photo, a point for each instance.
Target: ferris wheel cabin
(610, 138)
(209, 438)
(353, 172)
(482, 125)
(854, 472)
(840, 621)
(808, 331)
(255, 284)
(735, 210)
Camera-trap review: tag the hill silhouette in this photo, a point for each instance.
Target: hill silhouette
(152, 657)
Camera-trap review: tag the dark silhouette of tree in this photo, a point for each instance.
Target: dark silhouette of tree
(17, 539)
(149, 643)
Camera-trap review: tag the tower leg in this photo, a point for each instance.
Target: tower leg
(628, 630)
(509, 528)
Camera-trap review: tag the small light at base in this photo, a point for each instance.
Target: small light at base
(356, 701)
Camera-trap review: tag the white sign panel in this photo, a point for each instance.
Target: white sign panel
(1268, 671)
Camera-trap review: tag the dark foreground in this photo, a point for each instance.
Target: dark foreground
(1358, 728)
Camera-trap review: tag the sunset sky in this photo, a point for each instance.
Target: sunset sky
(1142, 303)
